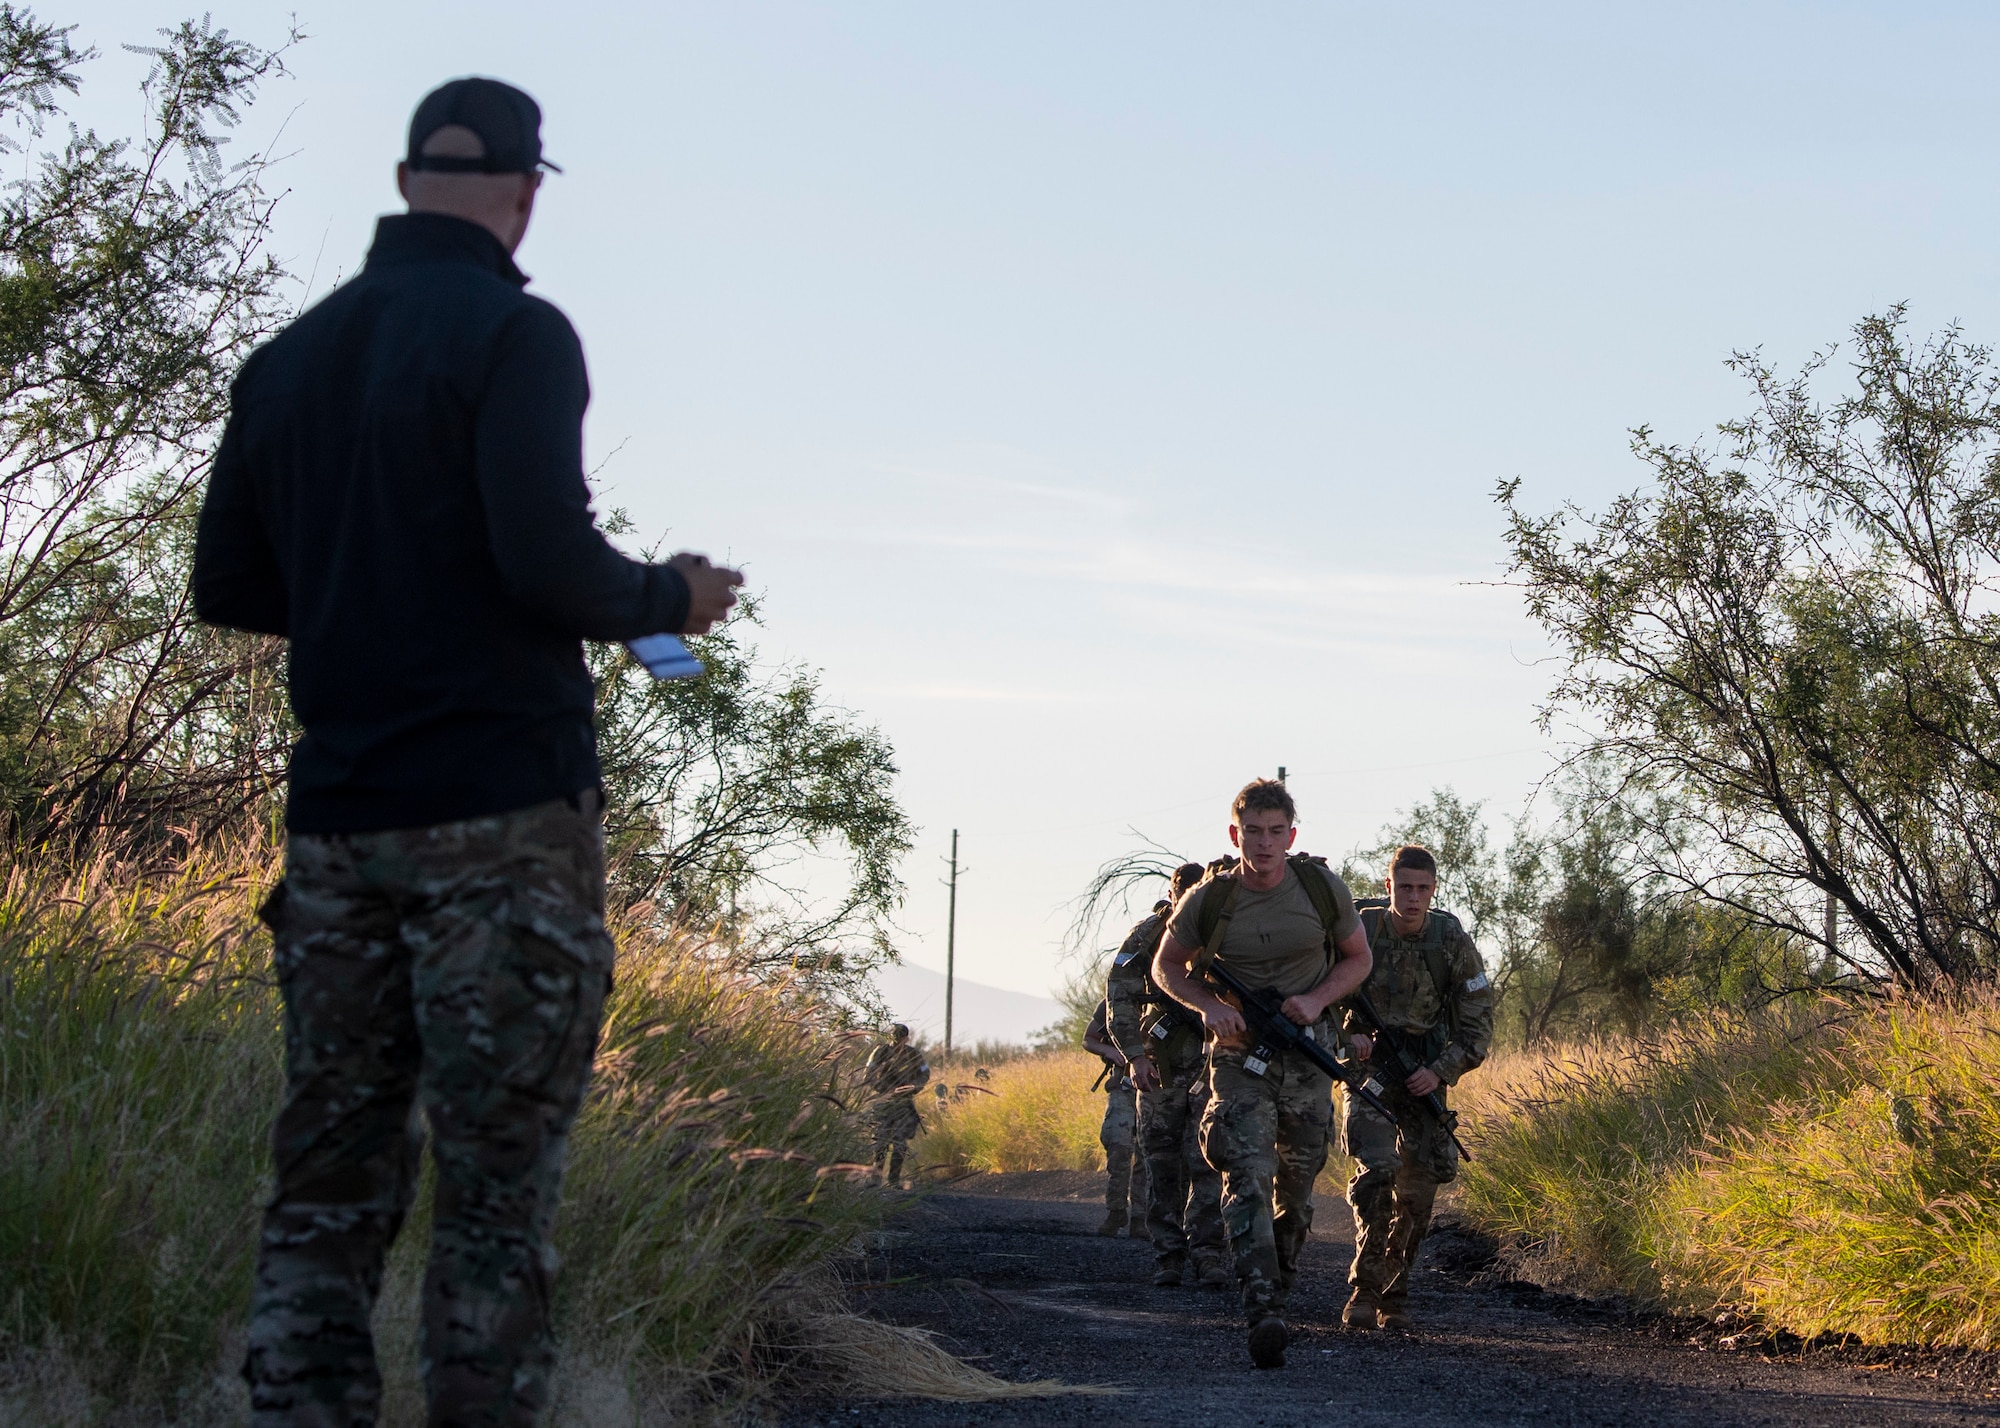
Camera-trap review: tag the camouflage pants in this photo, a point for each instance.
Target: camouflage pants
(1117, 1135)
(896, 1121)
(457, 970)
(1184, 1209)
(1267, 1135)
(1397, 1173)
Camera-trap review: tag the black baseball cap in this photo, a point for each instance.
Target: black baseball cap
(507, 121)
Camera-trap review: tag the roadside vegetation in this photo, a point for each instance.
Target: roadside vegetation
(1826, 1168)
(712, 1172)
(1033, 1112)
(1775, 927)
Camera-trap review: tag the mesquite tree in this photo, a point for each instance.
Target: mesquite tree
(1786, 650)
(742, 801)
(133, 278)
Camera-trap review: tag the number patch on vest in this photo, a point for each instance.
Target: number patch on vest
(1161, 1031)
(1476, 984)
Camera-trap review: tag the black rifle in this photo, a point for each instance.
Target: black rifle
(1389, 1039)
(1262, 1010)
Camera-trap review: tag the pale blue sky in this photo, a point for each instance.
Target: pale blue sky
(1109, 397)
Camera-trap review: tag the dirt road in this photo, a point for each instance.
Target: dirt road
(1010, 1272)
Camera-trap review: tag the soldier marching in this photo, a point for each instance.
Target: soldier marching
(1252, 1003)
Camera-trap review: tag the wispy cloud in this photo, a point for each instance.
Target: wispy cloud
(1031, 492)
(986, 694)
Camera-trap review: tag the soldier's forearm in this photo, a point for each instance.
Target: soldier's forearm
(1454, 1061)
(1174, 980)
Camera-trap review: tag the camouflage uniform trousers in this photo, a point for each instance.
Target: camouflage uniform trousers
(1124, 1194)
(1184, 1203)
(1268, 1136)
(1397, 1173)
(896, 1121)
(459, 970)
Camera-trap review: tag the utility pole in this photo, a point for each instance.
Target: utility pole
(951, 940)
(1281, 773)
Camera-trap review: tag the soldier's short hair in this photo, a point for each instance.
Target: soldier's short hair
(1263, 795)
(1415, 857)
(1185, 877)
(899, 1032)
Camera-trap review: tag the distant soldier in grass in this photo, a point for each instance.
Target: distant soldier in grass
(1163, 1045)
(400, 491)
(1430, 988)
(895, 1072)
(1287, 925)
(1118, 1133)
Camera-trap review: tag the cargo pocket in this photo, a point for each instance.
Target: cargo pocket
(576, 931)
(559, 966)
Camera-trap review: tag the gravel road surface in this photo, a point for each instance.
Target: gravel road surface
(1009, 1271)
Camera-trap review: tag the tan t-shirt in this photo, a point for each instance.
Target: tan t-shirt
(1273, 939)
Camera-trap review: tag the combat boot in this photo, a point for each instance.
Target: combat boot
(1394, 1317)
(1212, 1274)
(1267, 1342)
(1114, 1224)
(1167, 1270)
(1360, 1310)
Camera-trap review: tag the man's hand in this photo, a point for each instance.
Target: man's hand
(1423, 1081)
(711, 591)
(1144, 1076)
(1363, 1044)
(1303, 1009)
(1223, 1021)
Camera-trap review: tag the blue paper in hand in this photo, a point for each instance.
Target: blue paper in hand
(665, 657)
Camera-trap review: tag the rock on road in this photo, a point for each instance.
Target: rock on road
(1008, 1270)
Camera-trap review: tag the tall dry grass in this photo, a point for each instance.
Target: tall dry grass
(140, 1063)
(1037, 1112)
(1034, 1113)
(1825, 1168)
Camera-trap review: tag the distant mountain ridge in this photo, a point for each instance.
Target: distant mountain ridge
(979, 1013)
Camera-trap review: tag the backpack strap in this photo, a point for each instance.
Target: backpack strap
(1434, 959)
(1214, 919)
(1317, 879)
(1319, 891)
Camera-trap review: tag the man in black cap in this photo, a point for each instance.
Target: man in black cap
(400, 491)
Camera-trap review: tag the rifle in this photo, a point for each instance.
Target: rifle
(1389, 1038)
(1262, 1011)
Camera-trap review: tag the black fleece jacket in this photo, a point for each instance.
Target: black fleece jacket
(400, 491)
